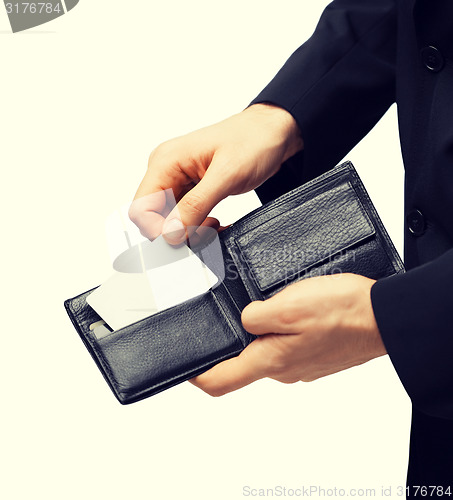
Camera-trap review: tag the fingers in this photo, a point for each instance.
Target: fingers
(196, 189)
(151, 213)
(148, 213)
(232, 374)
(193, 208)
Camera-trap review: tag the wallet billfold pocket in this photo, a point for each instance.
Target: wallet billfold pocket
(326, 226)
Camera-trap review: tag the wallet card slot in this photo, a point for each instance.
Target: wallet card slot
(170, 346)
(82, 315)
(305, 236)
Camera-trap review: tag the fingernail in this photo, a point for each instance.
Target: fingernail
(174, 231)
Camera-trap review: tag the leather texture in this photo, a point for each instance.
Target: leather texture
(326, 226)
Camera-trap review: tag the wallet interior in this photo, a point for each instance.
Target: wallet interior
(326, 226)
(166, 348)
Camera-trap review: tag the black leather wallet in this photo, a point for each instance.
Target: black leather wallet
(326, 226)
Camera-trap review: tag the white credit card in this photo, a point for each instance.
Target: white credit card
(157, 276)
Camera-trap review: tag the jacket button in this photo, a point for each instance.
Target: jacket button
(432, 58)
(416, 222)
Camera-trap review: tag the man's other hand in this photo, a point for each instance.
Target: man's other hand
(311, 329)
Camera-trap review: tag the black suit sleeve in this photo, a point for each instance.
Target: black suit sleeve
(338, 84)
(414, 312)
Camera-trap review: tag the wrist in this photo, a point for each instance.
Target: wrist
(283, 126)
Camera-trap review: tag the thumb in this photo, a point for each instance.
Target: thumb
(273, 315)
(255, 319)
(193, 209)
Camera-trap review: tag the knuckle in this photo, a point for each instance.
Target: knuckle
(164, 147)
(194, 204)
(277, 364)
(134, 213)
(287, 380)
(215, 392)
(209, 385)
(161, 151)
(287, 316)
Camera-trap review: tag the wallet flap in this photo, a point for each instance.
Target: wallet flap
(294, 241)
(326, 226)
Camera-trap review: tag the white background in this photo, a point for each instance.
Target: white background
(84, 100)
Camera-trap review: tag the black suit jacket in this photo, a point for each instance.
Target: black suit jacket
(363, 56)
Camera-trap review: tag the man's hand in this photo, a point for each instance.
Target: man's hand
(205, 166)
(312, 328)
